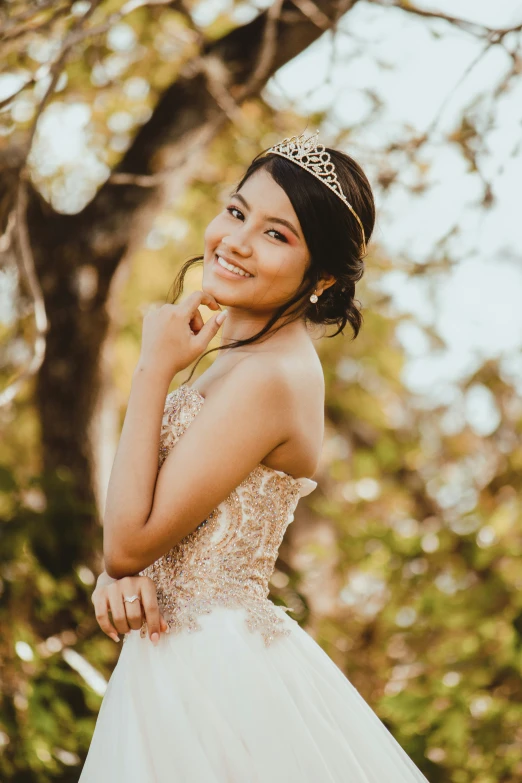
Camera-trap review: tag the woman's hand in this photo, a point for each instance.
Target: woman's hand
(108, 597)
(175, 335)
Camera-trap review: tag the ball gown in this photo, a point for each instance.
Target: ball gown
(237, 691)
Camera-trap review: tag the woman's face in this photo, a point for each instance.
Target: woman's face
(259, 232)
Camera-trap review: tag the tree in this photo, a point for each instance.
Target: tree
(188, 91)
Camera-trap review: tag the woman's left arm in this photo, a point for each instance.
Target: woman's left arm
(173, 337)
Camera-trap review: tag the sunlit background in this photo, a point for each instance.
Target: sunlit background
(405, 564)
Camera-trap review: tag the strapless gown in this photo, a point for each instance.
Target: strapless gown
(237, 692)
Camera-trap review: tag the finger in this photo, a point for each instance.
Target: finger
(101, 611)
(134, 613)
(151, 611)
(164, 626)
(197, 298)
(129, 586)
(196, 323)
(210, 329)
(117, 609)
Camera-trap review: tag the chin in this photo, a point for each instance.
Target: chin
(219, 296)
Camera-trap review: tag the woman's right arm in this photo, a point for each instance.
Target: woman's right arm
(108, 598)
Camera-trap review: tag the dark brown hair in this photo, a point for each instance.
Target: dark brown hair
(333, 237)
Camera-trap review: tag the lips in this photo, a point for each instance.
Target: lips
(222, 269)
(234, 263)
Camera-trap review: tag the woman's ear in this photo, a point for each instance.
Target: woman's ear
(324, 283)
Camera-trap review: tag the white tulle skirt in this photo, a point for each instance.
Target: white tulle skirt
(217, 706)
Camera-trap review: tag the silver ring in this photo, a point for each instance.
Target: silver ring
(130, 598)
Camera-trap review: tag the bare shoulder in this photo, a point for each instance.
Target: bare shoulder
(261, 377)
(284, 391)
(284, 376)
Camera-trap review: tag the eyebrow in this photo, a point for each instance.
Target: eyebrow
(273, 219)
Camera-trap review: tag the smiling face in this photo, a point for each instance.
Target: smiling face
(259, 232)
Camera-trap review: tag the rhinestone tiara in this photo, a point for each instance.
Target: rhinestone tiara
(314, 158)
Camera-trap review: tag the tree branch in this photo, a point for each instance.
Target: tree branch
(17, 229)
(495, 35)
(6, 101)
(187, 116)
(12, 33)
(58, 66)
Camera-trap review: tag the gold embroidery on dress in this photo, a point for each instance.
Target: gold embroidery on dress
(229, 558)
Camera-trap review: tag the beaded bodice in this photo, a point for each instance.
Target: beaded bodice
(229, 558)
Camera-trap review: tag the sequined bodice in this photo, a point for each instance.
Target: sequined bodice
(229, 558)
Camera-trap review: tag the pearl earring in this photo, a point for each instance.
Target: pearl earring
(314, 298)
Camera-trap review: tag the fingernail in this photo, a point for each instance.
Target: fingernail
(220, 317)
(168, 629)
(114, 637)
(154, 638)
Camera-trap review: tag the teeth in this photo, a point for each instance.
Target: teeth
(231, 267)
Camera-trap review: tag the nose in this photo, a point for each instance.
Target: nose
(237, 243)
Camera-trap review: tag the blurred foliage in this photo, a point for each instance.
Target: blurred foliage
(404, 564)
(426, 563)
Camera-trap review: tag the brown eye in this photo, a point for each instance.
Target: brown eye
(234, 209)
(279, 236)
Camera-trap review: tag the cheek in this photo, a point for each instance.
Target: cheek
(213, 232)
(281, 275)
(281, 263)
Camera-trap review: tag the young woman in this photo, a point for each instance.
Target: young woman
(216, 684)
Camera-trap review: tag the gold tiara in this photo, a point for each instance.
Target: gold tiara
(315, 159)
